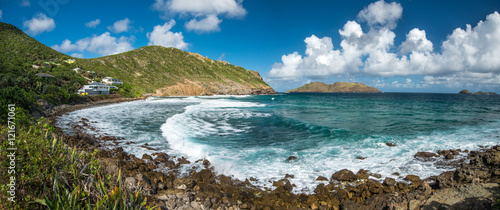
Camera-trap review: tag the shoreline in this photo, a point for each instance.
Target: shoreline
(204, 189)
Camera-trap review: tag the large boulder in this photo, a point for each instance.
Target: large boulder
(425, 155)
(344, 175)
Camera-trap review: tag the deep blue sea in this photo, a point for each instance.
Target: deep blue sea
(252, 136)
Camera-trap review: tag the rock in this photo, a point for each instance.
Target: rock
(449, 156)
(374, 186)
(415, 205)
(390, 144)
(445, 179)
(378, 176)
(131, 183)
(360, 158)
(146, 157)
(321, 178)
(171, 204)
(321, 190)
(389, 182)
(205, 176)
(183, 160)
(206, 163)
(425, 155)
(314, 206)
(344, 175)
(362, 174)
(413, 178)
(291, 158)
(196, 205)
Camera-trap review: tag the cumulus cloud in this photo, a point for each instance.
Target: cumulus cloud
(38, 24)
(468, 55)
(67, 46)
(120, 26)
(381, 14)
(77, 55)
(161, 35)
(416, 41)
(93, 24)
(209, 23)
(204, 13)
(104, 44)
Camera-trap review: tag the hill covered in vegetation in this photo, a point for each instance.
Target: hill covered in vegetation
(21, 59)
(170, 71)
(152, 69)
(338, 87)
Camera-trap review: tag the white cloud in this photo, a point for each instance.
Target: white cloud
(381, 14)
(209, 23)
(120, 26)
(201, 11)
(77, 55)
(468, 55)
(38, 24)
(473, 49)
(104, 44)
(463, 79)
(67, 46)
(161, 35)
(93, 24)
(25, 3)
(288, 70)
(416, 41)
(1, 13)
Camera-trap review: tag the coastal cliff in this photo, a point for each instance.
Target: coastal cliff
(338, 87)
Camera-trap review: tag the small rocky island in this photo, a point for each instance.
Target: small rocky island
(338, 87)
(476, 93)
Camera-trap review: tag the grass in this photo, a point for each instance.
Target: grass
(49, 175)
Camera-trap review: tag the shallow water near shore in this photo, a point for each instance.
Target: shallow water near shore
(252, 136)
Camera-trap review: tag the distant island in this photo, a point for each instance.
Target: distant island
(338, 87)
(477, 93)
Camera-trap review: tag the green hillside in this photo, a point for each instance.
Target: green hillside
(152, 67)
(338, 87)
(19, 49)
(19, 84)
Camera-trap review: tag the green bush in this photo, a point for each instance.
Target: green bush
(50, 175)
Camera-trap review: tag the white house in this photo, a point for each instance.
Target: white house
(77, 69)
(94, 88)
(112, 81)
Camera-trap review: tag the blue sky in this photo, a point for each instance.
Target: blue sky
(396, 46)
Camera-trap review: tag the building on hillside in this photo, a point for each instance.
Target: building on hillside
(44, 75)
(35, 66)
(77, 70)
(70, 61)
(94, 88)
(112, 81)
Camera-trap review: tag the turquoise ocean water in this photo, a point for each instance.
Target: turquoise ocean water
(252, 136)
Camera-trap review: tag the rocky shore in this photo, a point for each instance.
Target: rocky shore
(472, 185)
